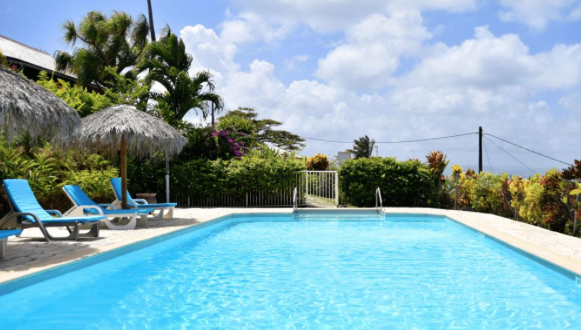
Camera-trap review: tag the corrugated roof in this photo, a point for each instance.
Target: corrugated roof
(17, 50)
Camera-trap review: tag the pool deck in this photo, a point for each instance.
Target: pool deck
(30, 253)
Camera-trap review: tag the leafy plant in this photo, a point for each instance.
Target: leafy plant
(168, 64)
(4, 61)
(363, 147)
(75, 96)
(205, 178)
(318, 163)
(115, 41)
(437, 162)
(573, 172)
(48, 170)
(258, 132)
(126, 89)
(401, 183)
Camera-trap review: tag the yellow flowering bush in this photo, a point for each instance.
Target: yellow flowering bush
(318, 163)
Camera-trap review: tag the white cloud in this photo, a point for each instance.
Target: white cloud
(256, 88)
(249, 27)
(210, 52)
(295, 61)
(372, 51)
(538, 13)
(490, 63)
(490, 81)
(332, 15)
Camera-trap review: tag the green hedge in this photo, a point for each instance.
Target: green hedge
(407, 183)
(204, 178)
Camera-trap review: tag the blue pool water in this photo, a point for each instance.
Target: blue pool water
(307, 273)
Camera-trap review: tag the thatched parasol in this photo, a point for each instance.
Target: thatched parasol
(26, 107)
(127, 129)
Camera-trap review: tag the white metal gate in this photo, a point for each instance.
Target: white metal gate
(322, 188)
(314, 188)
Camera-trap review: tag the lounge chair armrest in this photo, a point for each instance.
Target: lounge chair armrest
(23, 214)
(107, 205)
(140, 201)
(93, 207)
(132, 203)
(55, 212)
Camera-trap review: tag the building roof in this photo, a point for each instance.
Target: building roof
(14, 50)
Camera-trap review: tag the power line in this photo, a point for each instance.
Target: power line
(527, 149)
(506, 152)
(487, 157)
(394, 142)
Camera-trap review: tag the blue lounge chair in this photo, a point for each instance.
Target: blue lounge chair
(141, 203)
(83, 205)
(4, 234)
(27, 212)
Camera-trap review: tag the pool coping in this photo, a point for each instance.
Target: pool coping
(562, 262)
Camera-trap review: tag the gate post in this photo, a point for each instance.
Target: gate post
(306, 183)
(337, 188)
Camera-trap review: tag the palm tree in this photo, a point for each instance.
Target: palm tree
(362, 147)
(168, 64)
(115, 41)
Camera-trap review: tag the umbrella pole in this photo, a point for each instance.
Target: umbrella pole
(123, 173)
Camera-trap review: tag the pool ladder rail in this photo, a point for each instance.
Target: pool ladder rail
(295, 200)
(379, 201)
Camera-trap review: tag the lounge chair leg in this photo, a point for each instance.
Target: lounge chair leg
(94, 232)
(3, 247)
(129, 226)
(143, 220)
(45, 232)
(157, 216)
(169, 214)
(73, 234)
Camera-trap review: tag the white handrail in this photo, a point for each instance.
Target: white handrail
(380, 199)
(295, 193)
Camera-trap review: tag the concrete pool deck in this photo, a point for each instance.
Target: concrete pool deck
(30, 253)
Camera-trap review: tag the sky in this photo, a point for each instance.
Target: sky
(390, 69)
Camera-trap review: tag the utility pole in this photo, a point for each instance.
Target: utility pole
(213, 109)
(152, 33)
(479, 149)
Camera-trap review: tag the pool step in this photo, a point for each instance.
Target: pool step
(345, 214)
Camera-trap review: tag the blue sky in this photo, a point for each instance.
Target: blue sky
(391, 69)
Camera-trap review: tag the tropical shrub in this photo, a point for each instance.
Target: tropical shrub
(256, 133)
(437, 162)
(48, 170)
(403, 183)
(318, 163)
(75, 96)
(546, 200)
(205, 142)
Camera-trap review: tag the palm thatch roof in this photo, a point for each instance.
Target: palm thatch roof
(26, 107)
(144, 134)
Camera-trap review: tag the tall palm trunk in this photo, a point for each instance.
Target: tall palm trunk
(152, 31)
(151, 28)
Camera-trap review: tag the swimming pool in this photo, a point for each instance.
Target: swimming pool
(315, 271)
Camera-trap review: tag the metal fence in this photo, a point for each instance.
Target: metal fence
(322, 188)
(314, 188)
(281, 196)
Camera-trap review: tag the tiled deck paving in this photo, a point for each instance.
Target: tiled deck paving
(30, 253)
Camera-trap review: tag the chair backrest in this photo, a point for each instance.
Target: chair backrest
(22, 199)
(78, 196)
(116, 184)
